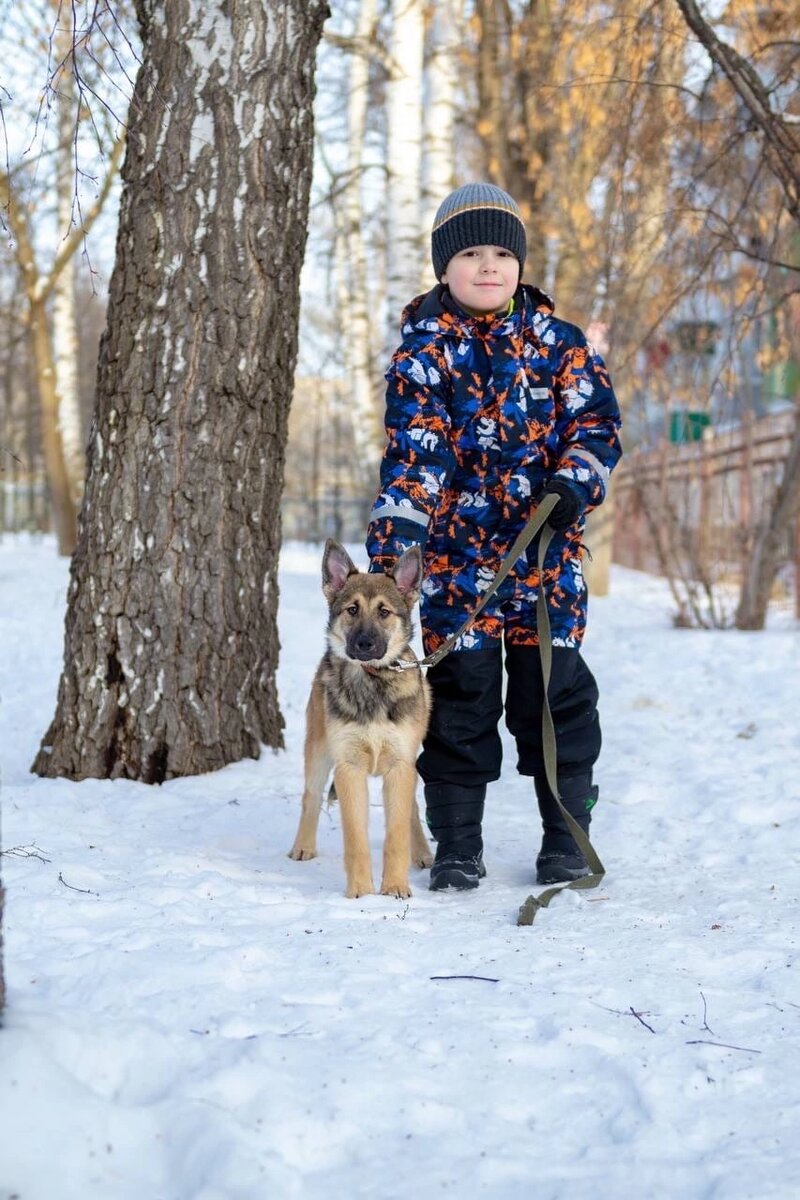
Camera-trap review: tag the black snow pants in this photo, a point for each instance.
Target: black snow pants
(463, 746)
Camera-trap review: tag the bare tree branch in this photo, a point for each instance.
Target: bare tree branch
(782, 143)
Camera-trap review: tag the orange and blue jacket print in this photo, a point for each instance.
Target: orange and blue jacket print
(481, 413)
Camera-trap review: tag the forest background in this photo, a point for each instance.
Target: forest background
(654, 154)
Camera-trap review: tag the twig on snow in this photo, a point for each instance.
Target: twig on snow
(85, 891)
(723, 1045)
(706, 1025)
(638, 1016)
(31, 851)
(485, 978)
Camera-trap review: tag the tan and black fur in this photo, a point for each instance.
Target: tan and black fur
(363, 718)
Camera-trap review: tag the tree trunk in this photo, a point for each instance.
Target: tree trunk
(171, 639)
(354, 298)
(771, 537)
(65, 325)
(61, 500)
(404, 159)
(439, 145)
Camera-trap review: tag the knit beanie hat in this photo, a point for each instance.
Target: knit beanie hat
(477, 214)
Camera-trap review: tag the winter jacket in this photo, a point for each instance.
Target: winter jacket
(480, 413)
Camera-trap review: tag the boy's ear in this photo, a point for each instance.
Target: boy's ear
(407, 574)
(337, 567)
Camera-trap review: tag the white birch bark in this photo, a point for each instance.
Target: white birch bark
(354, 292)
(439, 115)
(404, 159)
(65, 326)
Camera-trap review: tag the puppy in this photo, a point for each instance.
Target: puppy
(366, 716)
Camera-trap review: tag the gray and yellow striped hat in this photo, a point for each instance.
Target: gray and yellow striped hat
(477, 214)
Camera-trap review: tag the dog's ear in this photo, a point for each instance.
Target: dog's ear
(337, 567)
(407, 574)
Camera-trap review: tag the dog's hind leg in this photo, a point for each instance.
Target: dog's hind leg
(399, 801)
(353, 793)
(421, 854)
(318, 763)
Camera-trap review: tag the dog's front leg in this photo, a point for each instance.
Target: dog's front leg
(399, 786)
(353, 795)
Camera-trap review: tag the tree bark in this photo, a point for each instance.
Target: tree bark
(65, 325)
(354, 293)
(439, 142)
(171, 639)
(404, 160)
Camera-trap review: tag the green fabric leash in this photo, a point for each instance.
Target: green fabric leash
(538, 521)
(529, 909)
(517, 550)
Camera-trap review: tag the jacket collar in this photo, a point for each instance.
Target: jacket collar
(437, 311)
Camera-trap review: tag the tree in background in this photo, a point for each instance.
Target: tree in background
(46, 271)
(171, 642)
(774, 127)
(353, 283)
(404, 97)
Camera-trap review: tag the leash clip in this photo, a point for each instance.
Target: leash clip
(403, 664)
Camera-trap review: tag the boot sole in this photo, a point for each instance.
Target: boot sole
(455, 878)
(561, 874)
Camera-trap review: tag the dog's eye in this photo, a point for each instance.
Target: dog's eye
(384, 613)
(353, 610)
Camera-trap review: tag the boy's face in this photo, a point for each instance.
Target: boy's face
(482, 278)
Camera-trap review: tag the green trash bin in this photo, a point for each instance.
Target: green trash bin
(687, 426)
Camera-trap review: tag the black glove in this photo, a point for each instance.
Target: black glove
(569, 506)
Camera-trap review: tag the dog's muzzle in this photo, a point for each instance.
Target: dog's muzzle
(364, 646)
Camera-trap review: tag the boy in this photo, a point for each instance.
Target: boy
(493, 403)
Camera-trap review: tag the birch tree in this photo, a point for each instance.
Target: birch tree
(441, 90)
(404, 157)
(354, 289)
(171, 642)
(65, 325)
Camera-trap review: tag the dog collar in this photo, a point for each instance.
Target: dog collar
(400, 664)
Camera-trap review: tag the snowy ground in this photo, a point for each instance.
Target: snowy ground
(207, 1020)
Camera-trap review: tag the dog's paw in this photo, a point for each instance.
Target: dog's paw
(400, 889)
(423, 860)
(302, 853)
(359, 887)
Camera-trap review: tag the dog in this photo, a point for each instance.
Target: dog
(367, 717)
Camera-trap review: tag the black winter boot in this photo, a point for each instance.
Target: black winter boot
(559, 859)
(454, 815)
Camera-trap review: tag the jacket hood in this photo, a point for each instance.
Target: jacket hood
(437, 311)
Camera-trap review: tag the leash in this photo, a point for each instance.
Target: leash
(537, 522)
(531, 906)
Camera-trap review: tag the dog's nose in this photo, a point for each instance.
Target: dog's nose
(365, 645)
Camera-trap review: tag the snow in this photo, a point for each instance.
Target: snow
(205, 1019)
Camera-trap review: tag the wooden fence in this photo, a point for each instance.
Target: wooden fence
(701, 502)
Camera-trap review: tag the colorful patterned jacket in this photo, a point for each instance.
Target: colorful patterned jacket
(480, 413)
